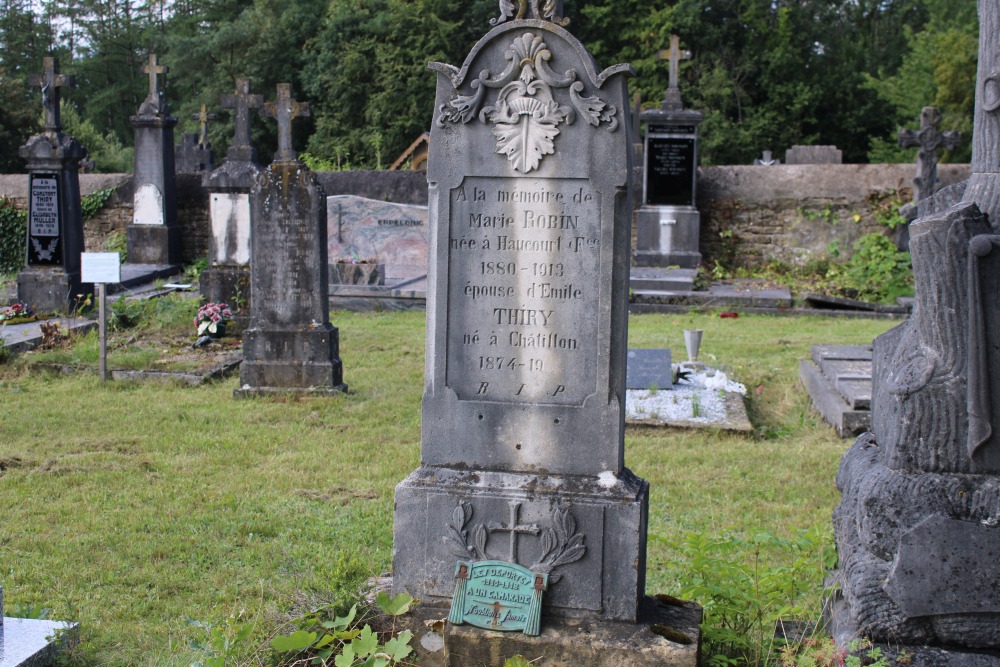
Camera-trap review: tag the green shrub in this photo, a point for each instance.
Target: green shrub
(13, 226)
(877, 270)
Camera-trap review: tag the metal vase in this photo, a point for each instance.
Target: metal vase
(692, 341)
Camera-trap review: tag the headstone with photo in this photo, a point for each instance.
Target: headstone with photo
(154, 235)
(917, 528)
(51, 278)
(290, 345)
(227, 278)
(522, 504)
(814, 155)
(668, 223)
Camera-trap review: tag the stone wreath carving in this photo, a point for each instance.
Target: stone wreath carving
(561, 544)
(525, 116)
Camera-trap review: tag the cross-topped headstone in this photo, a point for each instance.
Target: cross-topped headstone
(50, 81)
(766, 160)
(283, 110)
(513, 529)
(153, 69)
(203, 116)
(929, 139)
(674, 55)
(241, 101)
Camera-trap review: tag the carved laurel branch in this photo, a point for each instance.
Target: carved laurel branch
(525, 8)
(561, 544)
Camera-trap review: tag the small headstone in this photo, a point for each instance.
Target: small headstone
(227, 278)
(290, 345)
(192, 158)
(648, 368)
(51, 279)
(522, 447)
(813, 155)
(387, 234)
(766, 160)
(154, 235)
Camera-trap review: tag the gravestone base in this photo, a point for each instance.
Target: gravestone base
(153, 244)
(665, 635)
(607, 514)
(50, 289)
(229, 285)
(291, 361)
(668, 236)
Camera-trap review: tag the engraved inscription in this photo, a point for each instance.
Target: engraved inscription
(523, 266)
(44, 206)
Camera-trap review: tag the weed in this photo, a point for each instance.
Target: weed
(222, 644)
(116, 241)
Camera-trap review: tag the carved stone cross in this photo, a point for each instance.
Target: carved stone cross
(203, 116)
(153, 69)
(672, 98)
(283, 110)
(241, 102)
(929, 139)
(50, 81)
(513, 529)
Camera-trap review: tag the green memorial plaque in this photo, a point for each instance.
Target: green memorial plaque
(496, 595)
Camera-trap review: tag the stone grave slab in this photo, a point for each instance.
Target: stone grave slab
(648, 368)
(839, 381)
(28, 642)
(391, 235)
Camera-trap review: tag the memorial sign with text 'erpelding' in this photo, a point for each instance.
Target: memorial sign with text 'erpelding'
(522, 456)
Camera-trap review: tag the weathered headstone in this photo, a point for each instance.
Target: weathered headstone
(648, 368)
(227, 278)
(928, 138)
(522, 449)
(814, 155)
(918, 528)
(668, 224)
(386, 234)
(194, 155)
(51, 279)
(766, 160)
(290, 345)
(154, 235)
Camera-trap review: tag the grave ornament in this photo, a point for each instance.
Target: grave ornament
(929, 139)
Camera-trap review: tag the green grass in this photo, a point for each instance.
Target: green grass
(132, 507)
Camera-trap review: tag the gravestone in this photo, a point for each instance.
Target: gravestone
(392, 236)
(522, 449)
(51, 278)
(647, 368)
(668, 223)
(194, 155)
(290, 345)
(813, 155)
(154, 235)
(917, 529)
(766, 160)
(227, 278)
(928, 138)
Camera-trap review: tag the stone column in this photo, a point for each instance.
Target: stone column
(51, 279)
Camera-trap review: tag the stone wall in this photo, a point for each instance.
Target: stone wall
(749, 215)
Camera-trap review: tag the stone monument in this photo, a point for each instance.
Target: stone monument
(918, 529)
(668, 223)
(227, 278)
(154, 235)
(51, 278)
(290, 345)
(194, 155)
(522, 471)
(814, 155)
(928, 138)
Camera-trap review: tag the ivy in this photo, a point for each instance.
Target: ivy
(13, 224)
(92, 204)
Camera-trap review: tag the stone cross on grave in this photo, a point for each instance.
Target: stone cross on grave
(153, 68)
(241, 101)
(283, 110)
(203, 116)
(929, 139)
(672, 98)
(513, 529)
(50, 81)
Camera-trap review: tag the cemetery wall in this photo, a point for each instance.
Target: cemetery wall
(749, 214)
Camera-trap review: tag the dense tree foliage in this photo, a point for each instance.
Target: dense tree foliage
(767, 73)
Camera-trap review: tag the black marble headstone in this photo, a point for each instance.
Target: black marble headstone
(670, 165)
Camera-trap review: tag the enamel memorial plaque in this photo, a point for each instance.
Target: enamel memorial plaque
(498, 596)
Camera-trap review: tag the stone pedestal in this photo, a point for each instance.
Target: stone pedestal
(290, 345)
(668, 236)
(154, 235)
(51, 279)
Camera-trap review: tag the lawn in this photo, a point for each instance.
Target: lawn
(132, 508)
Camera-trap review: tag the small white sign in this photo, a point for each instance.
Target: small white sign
(100, 267)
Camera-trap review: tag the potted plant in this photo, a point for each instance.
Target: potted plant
(212, 318)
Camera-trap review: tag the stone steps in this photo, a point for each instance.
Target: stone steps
(839, 381)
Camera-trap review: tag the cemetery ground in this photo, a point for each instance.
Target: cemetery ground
(135, 508)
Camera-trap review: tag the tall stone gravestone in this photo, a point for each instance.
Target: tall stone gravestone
(668, 224)
(51, 279)
(227, 278)
(918, 529)
(290, 346)
(522, 451)
(154, 235)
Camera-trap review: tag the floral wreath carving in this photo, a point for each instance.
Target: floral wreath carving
(525, 116)
(561, 544)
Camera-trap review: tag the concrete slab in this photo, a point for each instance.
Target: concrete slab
(26, 642)
(848, 352)
(659, 279)
(846, 369)
(19, 338)
(847, 421)
(856, 392)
